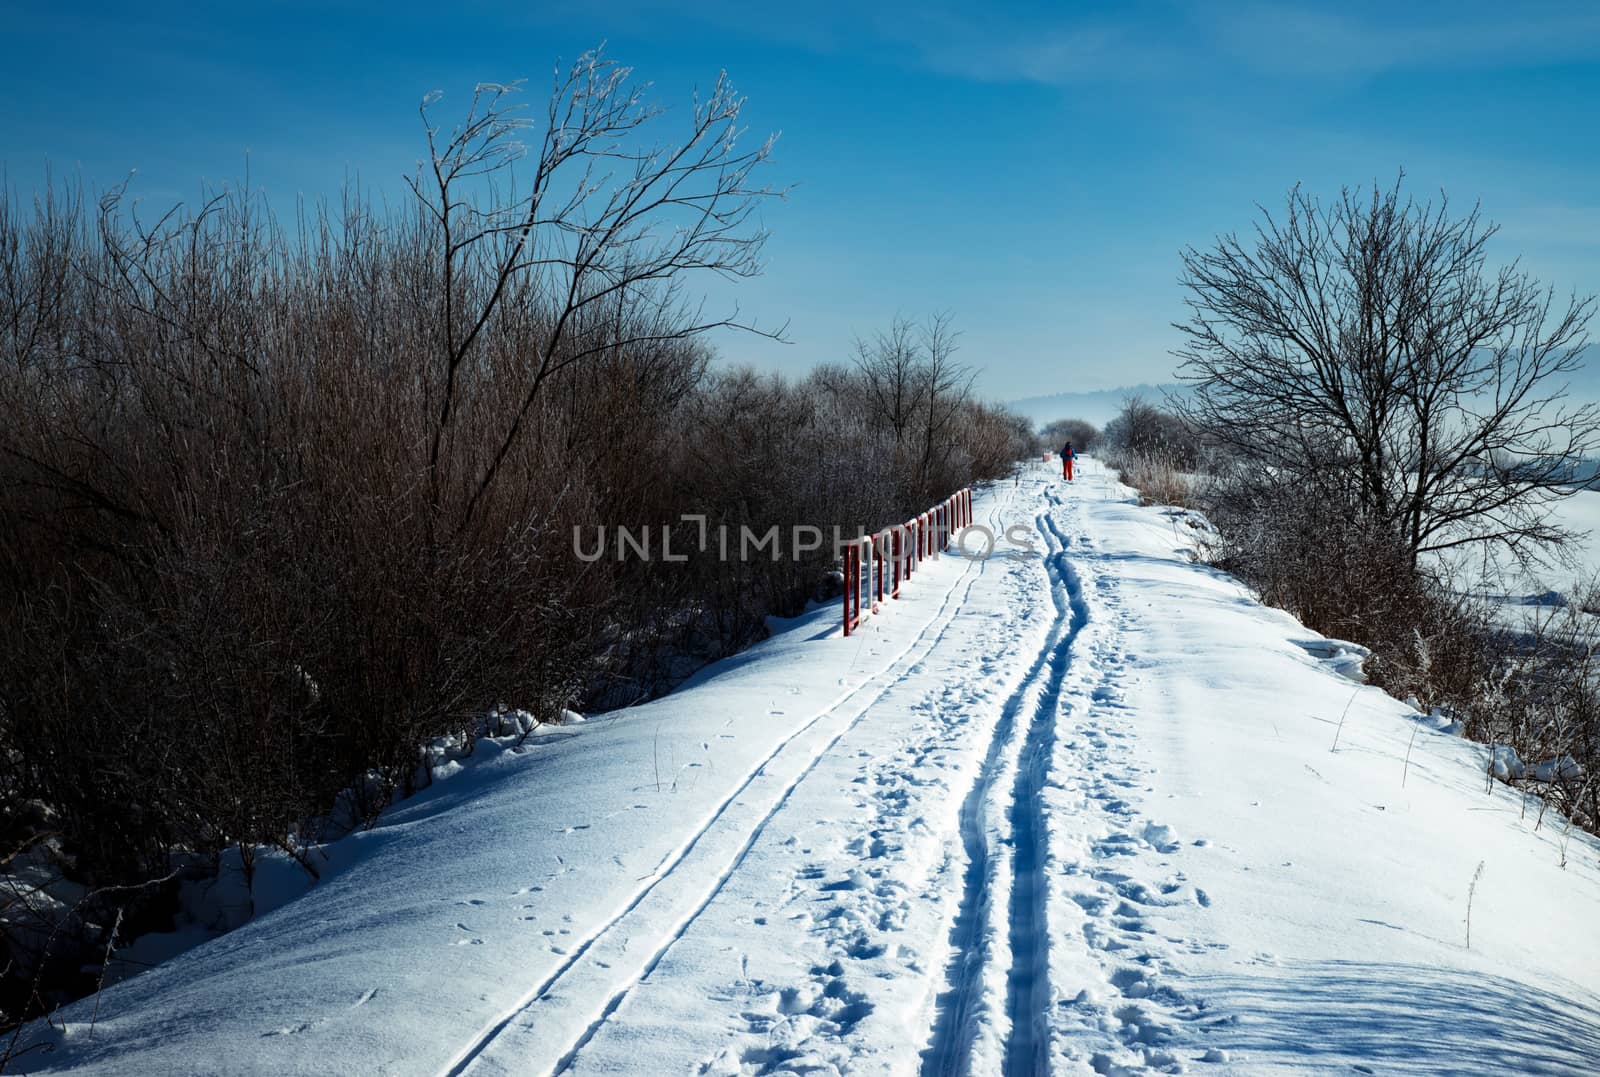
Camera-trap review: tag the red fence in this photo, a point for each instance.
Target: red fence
(875, 566)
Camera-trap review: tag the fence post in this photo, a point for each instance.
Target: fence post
(864, 585)
(877, 561)
(861, 562)
(849, 587)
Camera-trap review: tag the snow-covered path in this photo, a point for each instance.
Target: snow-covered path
(1075, 811)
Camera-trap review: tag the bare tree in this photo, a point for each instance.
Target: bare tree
(891, 368)
(1374, 335)
(915, 389)
(947, 387)
(607, 220)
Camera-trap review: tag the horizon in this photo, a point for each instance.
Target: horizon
(1034, 174)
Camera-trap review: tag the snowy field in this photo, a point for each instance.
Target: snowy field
(1521, 596)
(1568, 570)
(1581, 512)
(1091, 810)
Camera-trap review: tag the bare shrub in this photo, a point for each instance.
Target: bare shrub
(1542, 701)
(1143, 430)
(1303, 548)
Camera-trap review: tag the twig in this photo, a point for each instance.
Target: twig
(111, 938)
(1342, 717)
(1472, 891)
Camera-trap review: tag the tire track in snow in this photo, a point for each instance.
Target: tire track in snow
(895, 671)
(956, 1027)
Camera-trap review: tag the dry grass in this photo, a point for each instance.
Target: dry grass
(1158, 479)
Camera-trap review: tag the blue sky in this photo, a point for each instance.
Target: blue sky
(1031, 168)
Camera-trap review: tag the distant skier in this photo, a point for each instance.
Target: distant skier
(1066, 461)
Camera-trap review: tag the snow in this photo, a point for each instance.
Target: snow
(1580, 513)
(1504, 762)
(1561, 768)
(1520, 594)
(1090, 811)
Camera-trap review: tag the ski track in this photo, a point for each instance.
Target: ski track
(1028, 985)
(955, 1031)
(1097, 994)
(467, 1060)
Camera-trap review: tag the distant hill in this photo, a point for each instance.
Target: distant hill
(1098, 407)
